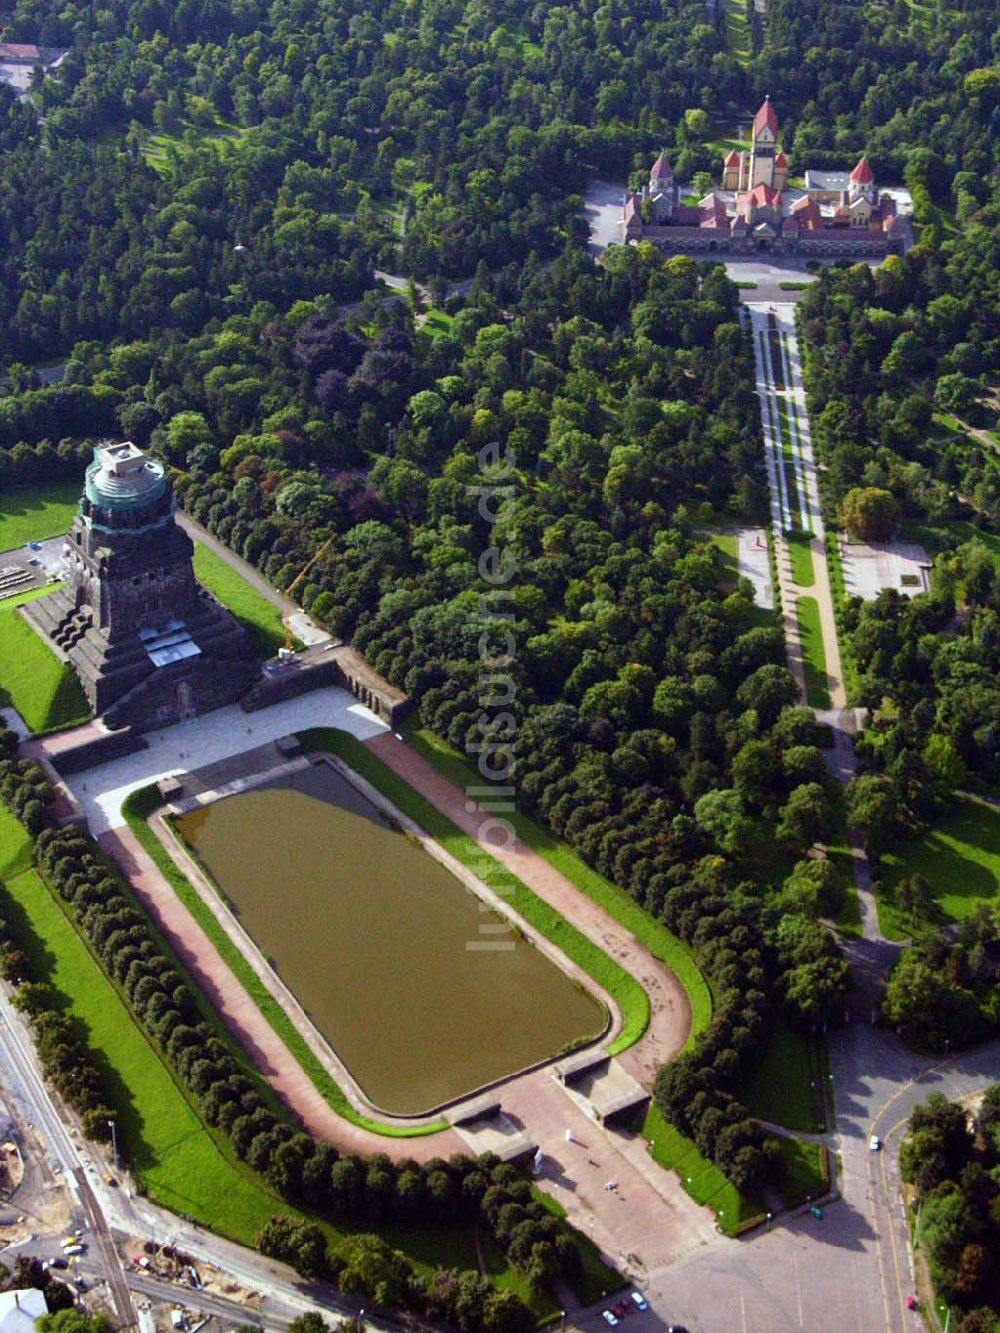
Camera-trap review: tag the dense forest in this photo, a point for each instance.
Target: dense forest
(311, 135)
(900, 364)
(193, 221)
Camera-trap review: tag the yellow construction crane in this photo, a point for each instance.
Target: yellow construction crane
(287, 594)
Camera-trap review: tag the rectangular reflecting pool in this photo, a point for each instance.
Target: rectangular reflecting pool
(370, 933)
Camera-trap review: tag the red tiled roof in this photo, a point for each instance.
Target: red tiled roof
(862, 173)
(780, 160)
(661, 167)
(762, 194)
(20, 50)
(766, 116)
(733, 158)
(806, 214)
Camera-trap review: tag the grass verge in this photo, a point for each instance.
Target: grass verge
(805, 1178)
(15, 846)
(162, 1139)
(813, 655)
(661, 942)
(699, 1178)
(41, 686)
(782, 1088)
(838, 589)
(259, 617)
(801, 558)
(848, 920)
(136, 808)
(629, 995)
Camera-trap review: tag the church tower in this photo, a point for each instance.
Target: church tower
(764, 146)
(150, 645)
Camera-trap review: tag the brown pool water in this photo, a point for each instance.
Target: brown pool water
(370, 933)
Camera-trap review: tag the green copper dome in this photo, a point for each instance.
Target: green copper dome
(122, 477)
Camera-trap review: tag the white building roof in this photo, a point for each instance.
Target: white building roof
(20, 1309)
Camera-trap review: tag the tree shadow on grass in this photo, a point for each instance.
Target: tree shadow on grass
(43, 962)
(943, 857)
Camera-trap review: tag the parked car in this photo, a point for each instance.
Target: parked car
(69, 1250)
(59, 1262)
(609, 1318)
(874, 1143)
(639, 1300)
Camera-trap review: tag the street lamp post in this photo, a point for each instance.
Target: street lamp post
(114, 1144)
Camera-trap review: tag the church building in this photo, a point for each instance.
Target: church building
(757, 211)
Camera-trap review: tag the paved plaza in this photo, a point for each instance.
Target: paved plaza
(868, 568)
(205, 740)
(754, 563)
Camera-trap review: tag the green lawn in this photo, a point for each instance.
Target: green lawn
(725, 543)
(620, 984)
(15, 846)
(848, 919)
(801, 558)
(260, 618)
(33, 513)
(436, 322)
(804, 1176)
(224, 135)
(960, 859)
(43, 688)
(159, 1133)
(780, 1088)
(737, 29)
(813, 655)
(661, 942)
(137, 808)
(699, 1178)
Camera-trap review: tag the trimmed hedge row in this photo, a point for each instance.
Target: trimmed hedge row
(66, 1059)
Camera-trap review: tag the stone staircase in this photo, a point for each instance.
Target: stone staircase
(71, 627)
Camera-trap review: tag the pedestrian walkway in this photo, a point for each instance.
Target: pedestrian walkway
(794, 489)
(795, 506)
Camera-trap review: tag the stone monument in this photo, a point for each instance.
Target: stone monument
(150, 644)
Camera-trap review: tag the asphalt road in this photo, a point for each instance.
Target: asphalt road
(246, 571)
(23, 1081)
(852, 1269)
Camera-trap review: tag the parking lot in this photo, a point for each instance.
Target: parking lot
(31, 566)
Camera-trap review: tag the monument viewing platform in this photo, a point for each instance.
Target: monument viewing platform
(149, 643)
